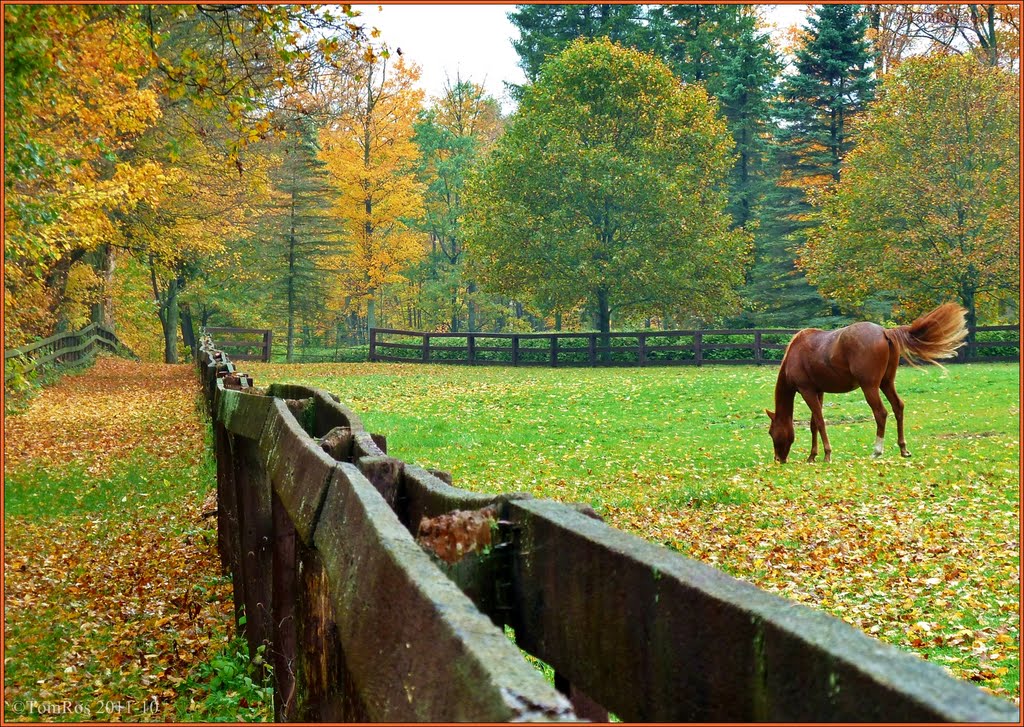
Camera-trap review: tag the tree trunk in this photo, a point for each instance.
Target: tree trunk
(103, 309)
(604, 321)
(471, 324)
(169, 321)
(967, 297)
(371, 315)
(57, 281)
(188, 331)
(291, 281)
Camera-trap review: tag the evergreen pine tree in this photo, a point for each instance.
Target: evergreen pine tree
(746, 84)
(545, 30)
(302, 234)
(451, 136)
(833, 81)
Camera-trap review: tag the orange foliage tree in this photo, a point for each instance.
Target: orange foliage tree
(370, 156)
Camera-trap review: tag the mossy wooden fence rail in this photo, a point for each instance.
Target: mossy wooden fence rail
(61, 348)
(640, 348)
(362, 622)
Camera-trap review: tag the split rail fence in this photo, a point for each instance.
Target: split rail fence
(60, 349)
(244, 344)
(380, 592)
(643, 348)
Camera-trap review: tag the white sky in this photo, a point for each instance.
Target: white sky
(474, 41)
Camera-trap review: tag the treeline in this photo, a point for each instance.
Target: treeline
(168, 167)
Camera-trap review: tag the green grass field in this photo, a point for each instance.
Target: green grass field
(923, 553)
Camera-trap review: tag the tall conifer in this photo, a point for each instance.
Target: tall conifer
(832, 82)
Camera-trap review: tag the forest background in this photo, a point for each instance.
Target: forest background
(168, 168)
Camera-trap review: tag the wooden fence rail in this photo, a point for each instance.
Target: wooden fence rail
(364, 621)
(61, 348)
(640, 348)
(244, 343)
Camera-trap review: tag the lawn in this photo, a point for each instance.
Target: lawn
(922, 553)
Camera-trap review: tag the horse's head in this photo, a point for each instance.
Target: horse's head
(782, 434)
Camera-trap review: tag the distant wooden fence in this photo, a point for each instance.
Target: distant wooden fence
(363, 621)
(641, 348)
(61, 348)
(244, 344)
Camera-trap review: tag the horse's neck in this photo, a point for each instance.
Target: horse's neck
(784, 395)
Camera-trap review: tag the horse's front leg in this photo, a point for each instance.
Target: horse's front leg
(814, 401)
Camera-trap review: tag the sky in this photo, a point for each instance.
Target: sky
(473, 41)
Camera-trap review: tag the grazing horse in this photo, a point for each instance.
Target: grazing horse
(862, 355)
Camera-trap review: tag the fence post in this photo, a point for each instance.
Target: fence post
(641, 344)
(758, 353)
(426, 348)
(471, 348)
(284, 594)
(592, 349)
(554, 351)
(698, 352)
(515, 350)
(268, 337)
(373, 344)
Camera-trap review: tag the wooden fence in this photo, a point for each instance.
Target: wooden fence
(244, 343)
(61, 348)
(642, 348)
(380, 592)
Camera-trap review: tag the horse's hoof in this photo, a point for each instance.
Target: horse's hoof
(876, 455)
(905, 455)
(811, 459)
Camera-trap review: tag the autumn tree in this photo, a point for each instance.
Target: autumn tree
(74, 104)
(461, 124)
(928, 207)
(989, 31)
(85, 85)
(370, 155)
(609, 186)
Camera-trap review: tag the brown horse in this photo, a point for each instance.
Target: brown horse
(862, 355)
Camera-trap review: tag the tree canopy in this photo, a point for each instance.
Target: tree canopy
(609, 187)
(928, 208)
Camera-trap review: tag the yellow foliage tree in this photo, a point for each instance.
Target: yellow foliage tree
(370, 156)
(74, 104)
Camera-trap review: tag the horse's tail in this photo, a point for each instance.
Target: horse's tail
(934, 335)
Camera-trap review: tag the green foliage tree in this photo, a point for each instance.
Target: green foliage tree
(928, 207)
(747, 83)
(833, 82)
(609, 186)
(545, 30)
(451, 135)
(302, 234)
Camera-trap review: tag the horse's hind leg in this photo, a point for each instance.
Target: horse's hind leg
(875, 402)
(889, 389)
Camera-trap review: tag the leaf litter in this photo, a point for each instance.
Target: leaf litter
(108, 609)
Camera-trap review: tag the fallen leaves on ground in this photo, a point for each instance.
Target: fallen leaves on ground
(105, 414)
(108, 609)
(913, 569)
